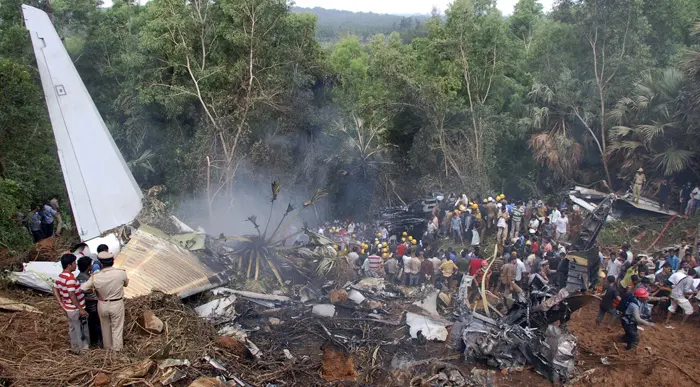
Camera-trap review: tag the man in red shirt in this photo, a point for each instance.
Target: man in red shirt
(72, 301)
(401, 249)
(474, 265)
(535, 247)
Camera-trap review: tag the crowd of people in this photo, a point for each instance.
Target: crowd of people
(92, 300)
(532, 239)
(640, 288)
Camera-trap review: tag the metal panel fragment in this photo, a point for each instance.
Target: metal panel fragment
(155, 264)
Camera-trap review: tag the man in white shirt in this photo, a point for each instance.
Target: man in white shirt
(520, 270)
(694, 202)
(407, 267)
(562, 227)
(614, 267)
(352, 257)
(554, 216)
(533, 225)
(630, 256)
(681, 290)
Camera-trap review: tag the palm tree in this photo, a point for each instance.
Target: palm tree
(691, 66)
(652, 128)
(553, 117)
(363, 149)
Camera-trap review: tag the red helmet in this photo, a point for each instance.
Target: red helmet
(484, 263)
(641, 293)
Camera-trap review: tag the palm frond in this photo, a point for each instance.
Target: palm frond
(619, 132)
(672, 160)
(143, 161)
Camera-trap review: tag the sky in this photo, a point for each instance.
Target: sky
(401, 7)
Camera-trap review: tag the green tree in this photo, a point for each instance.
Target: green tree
(652, 129)
(523, 22)
(614, 31)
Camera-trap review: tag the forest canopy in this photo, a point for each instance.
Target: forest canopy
(204, 97)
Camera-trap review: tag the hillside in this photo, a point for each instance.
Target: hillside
(334, 24)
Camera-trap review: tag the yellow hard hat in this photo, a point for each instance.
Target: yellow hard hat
(386, 249)
(404, 233)
(414, 241)
(486, 200)
(385, 244)
(403, 239)
(354, 236)
(462, 207)
(385, 255)
(379, 243)
(362, 251)
(379, 235)
(503, 196)
(475, 206)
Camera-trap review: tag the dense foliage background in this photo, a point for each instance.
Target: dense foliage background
(205, 97)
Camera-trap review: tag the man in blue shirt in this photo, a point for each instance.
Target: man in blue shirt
(674, 261)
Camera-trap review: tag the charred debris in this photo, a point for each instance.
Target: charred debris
(303, 311)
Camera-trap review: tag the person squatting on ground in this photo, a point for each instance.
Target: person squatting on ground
(109, 284)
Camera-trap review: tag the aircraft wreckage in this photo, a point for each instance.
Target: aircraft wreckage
(189, 262)
(526, 334)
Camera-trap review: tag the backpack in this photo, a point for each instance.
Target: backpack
(626, 300)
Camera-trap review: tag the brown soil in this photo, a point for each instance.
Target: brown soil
(337, 365)
(664, 357)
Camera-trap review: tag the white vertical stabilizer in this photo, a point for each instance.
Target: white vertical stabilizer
(102, 190)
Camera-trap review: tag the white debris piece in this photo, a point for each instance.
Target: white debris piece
(217, 308)
(167, 363)
(429, 303)
(258, 296)
(430, 328)
(254, 350)
(39, 275)
(324, 310)
(356, 296)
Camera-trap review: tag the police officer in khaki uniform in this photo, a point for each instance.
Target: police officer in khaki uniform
(109, 284)
(639, 180)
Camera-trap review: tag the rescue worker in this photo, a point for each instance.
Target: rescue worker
(109, 284)
(575, 221)
(664, 194)
(502, 225)
(682, 289)
(491, 212)
(632, 317)
(639, 180)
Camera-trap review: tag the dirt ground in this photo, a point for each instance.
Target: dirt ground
(664, 357)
